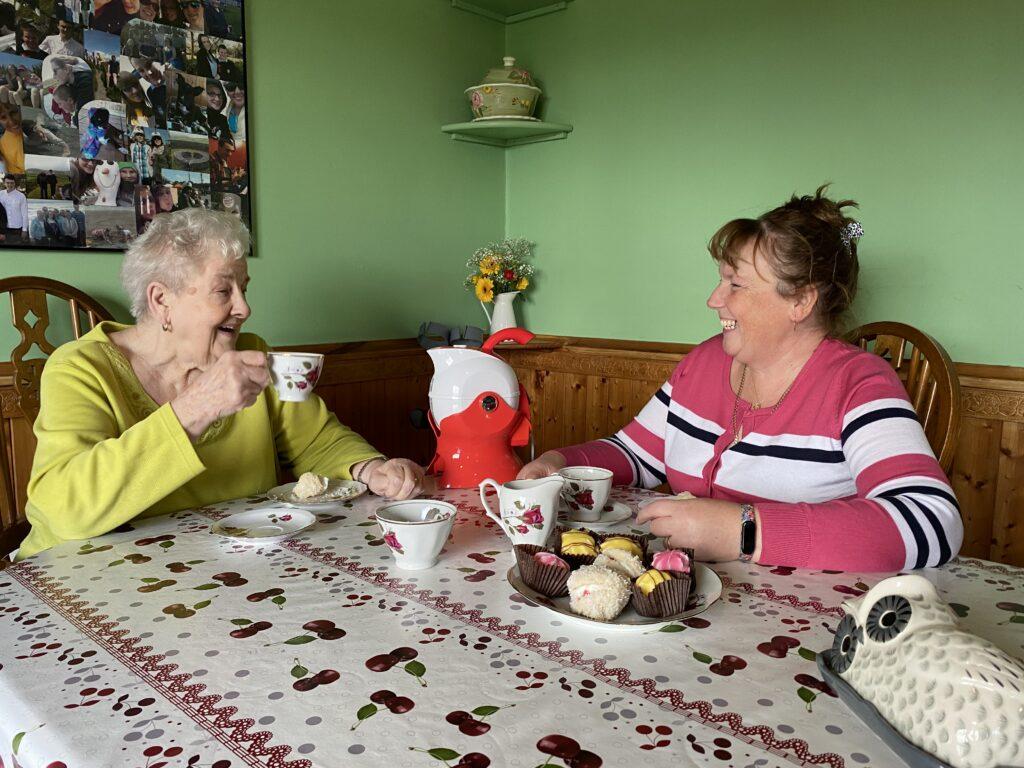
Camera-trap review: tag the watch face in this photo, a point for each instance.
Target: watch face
(748, 537)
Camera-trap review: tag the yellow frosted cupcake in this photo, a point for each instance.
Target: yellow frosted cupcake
(624, 543)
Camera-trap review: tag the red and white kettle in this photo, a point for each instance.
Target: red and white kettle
(479, 412)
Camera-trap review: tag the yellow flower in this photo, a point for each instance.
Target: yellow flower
(523, 282)
(485, 289)
(489, 265)
(474, 278)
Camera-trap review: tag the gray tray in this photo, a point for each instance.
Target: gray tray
(913, 756)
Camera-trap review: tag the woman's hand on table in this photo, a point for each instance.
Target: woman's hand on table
(710, 526)
(394, 479)
(232, 383)
(546, 464)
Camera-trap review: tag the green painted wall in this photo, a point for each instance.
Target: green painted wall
(688, 113)
(364, 211)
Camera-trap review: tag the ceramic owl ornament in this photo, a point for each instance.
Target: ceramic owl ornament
(948, 692)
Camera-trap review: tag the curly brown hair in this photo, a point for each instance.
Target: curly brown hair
(804, 245)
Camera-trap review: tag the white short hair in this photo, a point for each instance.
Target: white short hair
(175, 248)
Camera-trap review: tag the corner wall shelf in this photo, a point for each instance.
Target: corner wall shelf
(507, 133)
(511, 11)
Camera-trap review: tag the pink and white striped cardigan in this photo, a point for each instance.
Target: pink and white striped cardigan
(841, 474)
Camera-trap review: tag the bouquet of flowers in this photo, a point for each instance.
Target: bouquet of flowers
(500, 268)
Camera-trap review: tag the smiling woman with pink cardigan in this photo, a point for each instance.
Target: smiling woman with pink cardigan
(802, 450)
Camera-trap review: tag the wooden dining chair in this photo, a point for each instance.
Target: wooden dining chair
(19, 387)
(927, 373)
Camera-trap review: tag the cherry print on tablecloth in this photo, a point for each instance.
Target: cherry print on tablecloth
(434, 635)
(248, 628)
(445, 755)
(391, 701)
(385, 661)
(569, 751)
(719, 747)
(538, 680)
(135, 558)
(806, 683)
(303, 683)
(275, 594)
(472, 723)
(1016, 610)
(657, 737)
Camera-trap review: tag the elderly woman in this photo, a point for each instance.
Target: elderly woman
(175, 411)
(802, 450)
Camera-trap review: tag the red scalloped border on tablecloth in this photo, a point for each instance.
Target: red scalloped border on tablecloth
(232, 732)
(620, 677)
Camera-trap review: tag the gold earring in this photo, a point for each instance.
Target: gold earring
(166, 327)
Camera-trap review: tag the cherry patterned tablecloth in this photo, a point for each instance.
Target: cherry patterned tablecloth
(168, 645)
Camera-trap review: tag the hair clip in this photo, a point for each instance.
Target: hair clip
(850, 232)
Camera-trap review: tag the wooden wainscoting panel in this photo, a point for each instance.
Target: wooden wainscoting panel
(1008, 522)
(598, 393)
(974, 478)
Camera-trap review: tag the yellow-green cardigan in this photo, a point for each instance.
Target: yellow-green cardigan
(107, 453)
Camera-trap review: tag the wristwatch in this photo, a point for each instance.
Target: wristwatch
(748, 532)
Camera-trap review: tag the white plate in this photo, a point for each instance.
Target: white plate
(616, 514)
(264, 526)
(707, 589)
(338, 492)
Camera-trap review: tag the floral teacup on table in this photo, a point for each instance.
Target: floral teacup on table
(586, 491)
(294, 374)
(528, 508)
(415, 531)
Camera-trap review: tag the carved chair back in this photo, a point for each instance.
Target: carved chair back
(929, 376)
(19, 386)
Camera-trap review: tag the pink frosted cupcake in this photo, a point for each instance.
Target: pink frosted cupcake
(542, 570)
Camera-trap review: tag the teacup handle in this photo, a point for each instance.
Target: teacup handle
(483, 499)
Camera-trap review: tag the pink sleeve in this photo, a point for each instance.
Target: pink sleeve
(904, 515)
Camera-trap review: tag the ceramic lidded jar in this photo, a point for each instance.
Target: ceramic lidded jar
(506, 92)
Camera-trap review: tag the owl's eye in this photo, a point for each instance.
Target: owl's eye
(888, 617)
(844, 646)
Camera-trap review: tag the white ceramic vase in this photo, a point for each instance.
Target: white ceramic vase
(503, 315)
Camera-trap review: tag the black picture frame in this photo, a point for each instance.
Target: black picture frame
(115, 111)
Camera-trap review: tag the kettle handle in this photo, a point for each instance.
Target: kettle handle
(483, 500)
(518, 335)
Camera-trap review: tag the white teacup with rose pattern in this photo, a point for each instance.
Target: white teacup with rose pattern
(294, 374)
(416, 531)
(585, 491)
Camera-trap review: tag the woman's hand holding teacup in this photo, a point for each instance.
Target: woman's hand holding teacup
(230, 384)
(394, 479)
(544, 465)
(710, 526)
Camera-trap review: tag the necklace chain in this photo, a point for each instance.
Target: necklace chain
(737, 426)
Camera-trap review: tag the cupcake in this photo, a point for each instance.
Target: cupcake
(542, 570)
(577, 547)
(658, 593)
(673, 560)
(621, 561)
(624, 543)
(597, 592)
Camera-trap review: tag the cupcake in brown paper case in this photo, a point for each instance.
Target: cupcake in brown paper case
(627, 542)
(657, 594)
(577, 546)
(542, 570)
